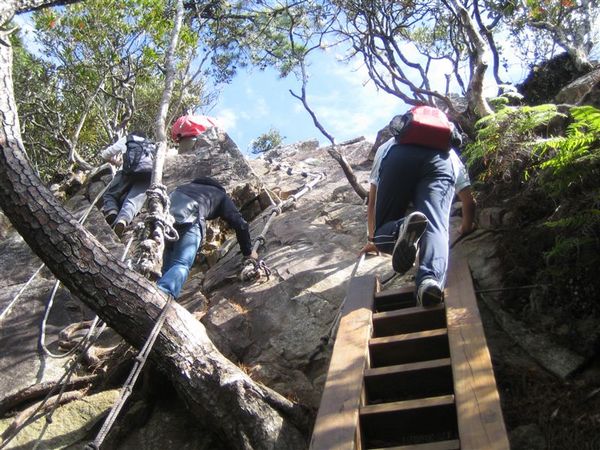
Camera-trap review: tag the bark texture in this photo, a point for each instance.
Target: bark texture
(245, 414)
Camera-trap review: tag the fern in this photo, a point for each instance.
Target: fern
(574, 157)
(508, 137)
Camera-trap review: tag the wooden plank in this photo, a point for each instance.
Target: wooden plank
(412, 367)
(408, 381)
(401, 291)
(338, 417)
(409, 348)
(480, 420)
(392, 299)
(410, 422)
(407, 405)
(442, 445)
(408, 320)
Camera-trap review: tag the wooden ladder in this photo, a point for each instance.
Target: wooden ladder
(406, 377)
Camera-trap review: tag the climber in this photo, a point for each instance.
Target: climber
(191, 205)
(187, 128)
(426, 175)
(126, 193)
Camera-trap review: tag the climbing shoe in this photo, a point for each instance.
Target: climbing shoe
(110, 217)
(405, 249)
(119, 228)
(429, 293)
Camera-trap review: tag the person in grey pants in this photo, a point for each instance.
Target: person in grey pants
(126, 193)
(403, 174)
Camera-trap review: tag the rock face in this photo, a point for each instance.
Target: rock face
(583, 91)
(546, 79)
(274, 326)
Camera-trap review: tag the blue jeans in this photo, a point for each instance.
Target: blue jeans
(424, 177)
(179, 258)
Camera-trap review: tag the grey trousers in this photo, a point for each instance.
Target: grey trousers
(125, 195)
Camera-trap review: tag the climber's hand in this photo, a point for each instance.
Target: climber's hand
(369, 248)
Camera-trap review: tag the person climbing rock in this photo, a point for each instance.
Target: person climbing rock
(126, 193)
(191, 205)
(426, 176)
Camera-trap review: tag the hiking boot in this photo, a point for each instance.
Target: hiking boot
(429, 293)
(405, 249)
(119, 228)
(110, 217)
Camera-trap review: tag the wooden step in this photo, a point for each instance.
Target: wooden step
(408, 381)
(409, 348)
(408, 320)
(441, 445)
(409, 422)
(395, 299)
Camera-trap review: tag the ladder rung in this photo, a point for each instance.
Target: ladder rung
(409, 348)
(395, 299)
(421, 421)
(407, 405)
(408, 320)
(404, 290)
(453, 444)
(405, 368)
(408, 381)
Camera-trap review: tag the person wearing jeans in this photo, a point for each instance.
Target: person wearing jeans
(403, 174)
(191, 205)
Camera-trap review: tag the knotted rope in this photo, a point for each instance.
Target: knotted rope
(253, 269)
(151, 248)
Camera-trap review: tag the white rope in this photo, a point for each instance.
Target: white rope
(81, 221)
(49, 305)
(127, 388)
(338, 316)
(14, 300)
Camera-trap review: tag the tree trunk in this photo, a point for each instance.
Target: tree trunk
(245, 414)
(477, 102)
(152, 248)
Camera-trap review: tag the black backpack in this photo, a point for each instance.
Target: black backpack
(139, 156)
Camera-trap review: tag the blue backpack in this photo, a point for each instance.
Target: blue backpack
(139, 156)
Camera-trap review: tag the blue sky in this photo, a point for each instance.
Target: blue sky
(344, 99)
(346, 103)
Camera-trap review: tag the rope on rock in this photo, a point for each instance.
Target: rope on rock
(85, 344)
(82, 219)
(49, 305)
(338, 316)
(254, 268)
(127, 388)
(62, 382)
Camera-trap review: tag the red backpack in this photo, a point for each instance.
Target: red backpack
(423, 125)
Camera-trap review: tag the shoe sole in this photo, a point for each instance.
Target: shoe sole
(119, 229)
(432, 296)
(110, 218)
(405, 250)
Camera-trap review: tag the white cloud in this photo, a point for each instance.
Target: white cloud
(227, 118)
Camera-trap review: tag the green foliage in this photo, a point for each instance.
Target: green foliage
(505, 140)
(573, 159)
(267, 141)
(102, 67)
